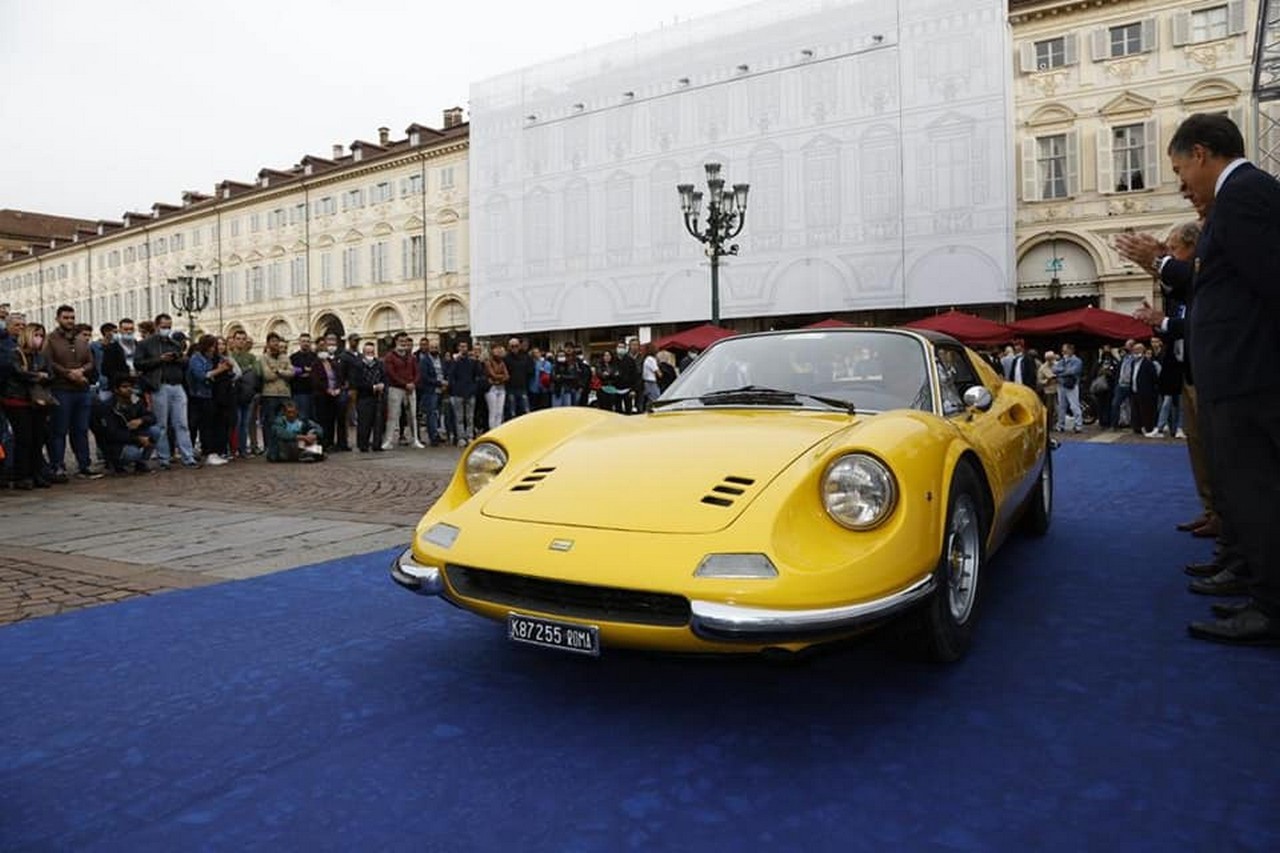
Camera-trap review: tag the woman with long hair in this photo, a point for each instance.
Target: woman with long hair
(204, 371)
(610, 375)
(26, 400)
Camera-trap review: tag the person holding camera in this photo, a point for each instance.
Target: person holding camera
(162, 361)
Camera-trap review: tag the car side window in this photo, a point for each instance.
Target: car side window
(955, 376)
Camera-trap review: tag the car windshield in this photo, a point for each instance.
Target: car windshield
(873, 371)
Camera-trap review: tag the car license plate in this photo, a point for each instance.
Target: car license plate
(566, 636)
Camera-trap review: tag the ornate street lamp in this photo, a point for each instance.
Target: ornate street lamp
(726, 214)
(189, 296)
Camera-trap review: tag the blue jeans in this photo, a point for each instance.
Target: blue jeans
(1122, 393)
(245, 437)
(429, 411)
(169, 405)
(70, 416)
(517, 404)
(1069, 404)
(559, 399)
(133, 454)
(1170, 413)
(268, 408)
(306, 404)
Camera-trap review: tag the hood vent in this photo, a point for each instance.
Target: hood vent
(533, 478)
(728, 491)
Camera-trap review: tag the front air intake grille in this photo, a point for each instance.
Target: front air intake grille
(580, 601)
(728, 491)
(533, 478)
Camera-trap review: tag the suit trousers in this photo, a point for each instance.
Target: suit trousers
(1244, 458)
(1195, 447)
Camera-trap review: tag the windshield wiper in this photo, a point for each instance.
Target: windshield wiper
(760, 394)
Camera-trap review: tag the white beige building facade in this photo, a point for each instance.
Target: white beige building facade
(1099, 88)
(372, 240)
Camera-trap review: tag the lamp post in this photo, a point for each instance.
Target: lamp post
(726, 214)
(189, 296)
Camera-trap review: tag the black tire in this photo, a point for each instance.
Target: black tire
(946, 620)
(1039, 509)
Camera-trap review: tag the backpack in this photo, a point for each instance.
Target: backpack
(248, 384)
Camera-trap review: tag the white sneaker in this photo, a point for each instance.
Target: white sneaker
(1151, 433)
(1179, 434)
(388, 445)
(215, 459)
(419, 445)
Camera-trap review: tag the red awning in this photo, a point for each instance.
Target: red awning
(699, 338)
(967, 328)
(1097, 322)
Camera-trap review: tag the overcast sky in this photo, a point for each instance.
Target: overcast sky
(108, 107)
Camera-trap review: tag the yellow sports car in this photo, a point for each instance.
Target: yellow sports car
(789, 489)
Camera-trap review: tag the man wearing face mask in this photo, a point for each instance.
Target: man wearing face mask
(367, 382)
(118, 356)
(71, 364)
(629, 359)
(163, 364)
(519, 370)
(329, 392)
(400, 369)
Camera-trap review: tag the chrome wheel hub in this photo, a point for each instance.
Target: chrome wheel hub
(963, 556)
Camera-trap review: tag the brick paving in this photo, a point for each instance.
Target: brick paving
(89, 543)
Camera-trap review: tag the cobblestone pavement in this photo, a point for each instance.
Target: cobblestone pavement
(88, 543)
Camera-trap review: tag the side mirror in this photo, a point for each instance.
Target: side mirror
(978, 397)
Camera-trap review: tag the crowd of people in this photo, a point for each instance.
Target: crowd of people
(142, 397)
(1136, 386)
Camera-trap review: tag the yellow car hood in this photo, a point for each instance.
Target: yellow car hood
(681, 472)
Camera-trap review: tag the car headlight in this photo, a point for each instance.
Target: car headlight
(859, 491)
(485, 461)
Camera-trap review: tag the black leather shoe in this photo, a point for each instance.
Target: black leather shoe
(1201, 570)
(1249, 627)
(1228, 609)
(1225, 582)
(1188, 526)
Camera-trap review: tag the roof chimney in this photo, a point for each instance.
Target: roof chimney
(337, 150)
(384, 135)
(452, 117)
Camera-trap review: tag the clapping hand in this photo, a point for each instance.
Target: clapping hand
(1151, 316)
(1141, 249)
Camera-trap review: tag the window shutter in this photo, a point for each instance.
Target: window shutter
(1028, 57)
(1181, 29)
(404, 258)
(1151, 153)
(1106, 172)
(1071, 49)
(1073, 163)
(1101, 44)
(1030, 185)
(1148, 35)
(1235, 17)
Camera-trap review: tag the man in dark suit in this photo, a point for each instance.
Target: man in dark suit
(1023, 367)
(1233, 334)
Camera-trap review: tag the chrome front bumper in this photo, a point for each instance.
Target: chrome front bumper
(415, 577)
(715, 621)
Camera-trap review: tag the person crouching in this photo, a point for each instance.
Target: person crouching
(128, 432)
(296, 439)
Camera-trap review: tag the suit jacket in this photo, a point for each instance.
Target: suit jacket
(1233, 327)
(1029, 371)
(1145, 377)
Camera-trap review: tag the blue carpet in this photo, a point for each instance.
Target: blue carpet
(324, 708)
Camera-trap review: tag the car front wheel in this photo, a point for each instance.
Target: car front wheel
(947, 619)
